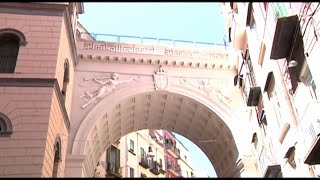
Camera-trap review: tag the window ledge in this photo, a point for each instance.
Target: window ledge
(131, 151)
(5, 133)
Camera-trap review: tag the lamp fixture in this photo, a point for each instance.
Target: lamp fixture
(292, 63)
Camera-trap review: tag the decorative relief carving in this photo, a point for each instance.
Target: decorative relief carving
(143, 49)
(206, 86)
(160, 79)
(106, 85)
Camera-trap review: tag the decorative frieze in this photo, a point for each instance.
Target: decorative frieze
(208, 86)
(106, 85)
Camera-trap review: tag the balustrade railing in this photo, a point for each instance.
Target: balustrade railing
(153, 41)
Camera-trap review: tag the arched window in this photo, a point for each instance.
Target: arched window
(65, 79)
(57, 157)
(10, 41)
(5, 125)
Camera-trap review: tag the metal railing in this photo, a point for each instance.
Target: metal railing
(155, 167)
(144, 162)
(152, 41)
(175, 168)
(173, 149)
(113, 168)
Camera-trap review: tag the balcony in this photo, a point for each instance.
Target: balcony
(144, 162)
(283, 37)
(252, 93)
(272, 171)
(309, 127)
(155, 167)
(176, 170)
(286, 26)
(172, 149)
(113, 170)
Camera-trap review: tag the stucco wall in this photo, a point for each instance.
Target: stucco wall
(21, 154)
(42, 32)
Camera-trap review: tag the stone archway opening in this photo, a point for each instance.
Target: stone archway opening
(168, 111)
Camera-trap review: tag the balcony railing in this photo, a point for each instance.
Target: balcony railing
(155, 167)
(309, 127)
(172, 149)
(113, 170)
(251, 91)
(175, 169)
(152, 41)
(144, 162)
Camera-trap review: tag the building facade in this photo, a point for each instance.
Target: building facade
(277, 45)
(37, 61)
(130, 157)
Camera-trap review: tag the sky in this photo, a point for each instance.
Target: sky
(179, 21)
(200, 22)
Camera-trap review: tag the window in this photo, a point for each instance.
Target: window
(113, 159)
(78, 34)
(254, 140)
(131, 146)
(131, 172)
(10, 41)
(65, 79)
(5, 125)
(142, 153)
(57, 157)
(277, 107)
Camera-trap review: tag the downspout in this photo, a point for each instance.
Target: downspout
(137, 154)
(126, 157)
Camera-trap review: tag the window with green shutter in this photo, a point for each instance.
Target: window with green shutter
(142, 153)
(131, 146)
(280, 9)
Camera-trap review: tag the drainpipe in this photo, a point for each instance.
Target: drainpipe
(126, 157)
(137, 154)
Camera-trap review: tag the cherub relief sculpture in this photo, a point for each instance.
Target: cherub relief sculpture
(207, 87)
(105, 88)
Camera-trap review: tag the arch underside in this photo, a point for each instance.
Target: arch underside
(168, 111)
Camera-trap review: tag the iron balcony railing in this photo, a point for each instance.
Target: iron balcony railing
(176, 169)
(144, 162)
(170, 147)
(155, 167)
(152, 41)
(112, 168)
(309, 124)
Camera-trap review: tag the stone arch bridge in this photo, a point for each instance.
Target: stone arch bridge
(121, 88)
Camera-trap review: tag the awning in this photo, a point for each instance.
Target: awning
(313, 156)
(283, 36)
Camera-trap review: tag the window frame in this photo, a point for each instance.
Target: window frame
(131, 172)
(6, 125)
(14, 36)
